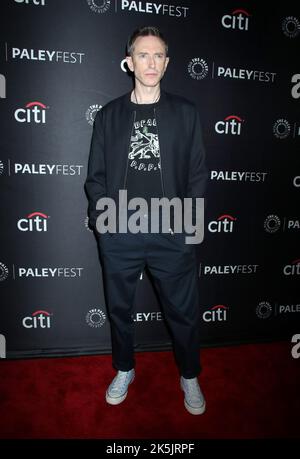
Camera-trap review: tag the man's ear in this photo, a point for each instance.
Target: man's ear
(166, 63)
(129, 63)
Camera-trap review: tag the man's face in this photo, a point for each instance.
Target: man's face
(148, 61)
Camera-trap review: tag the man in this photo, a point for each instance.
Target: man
(149, 143)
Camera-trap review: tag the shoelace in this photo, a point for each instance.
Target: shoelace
(192, 388)
(120, 380)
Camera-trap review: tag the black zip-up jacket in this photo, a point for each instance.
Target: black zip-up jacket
(182, 154)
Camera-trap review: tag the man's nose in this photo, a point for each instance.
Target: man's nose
(151, 61)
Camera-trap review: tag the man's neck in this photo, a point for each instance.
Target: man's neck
(145, 95)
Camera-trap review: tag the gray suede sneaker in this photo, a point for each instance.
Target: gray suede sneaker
(117, 390)
(193, 397)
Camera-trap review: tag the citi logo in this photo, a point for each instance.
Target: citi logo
(223, 224)
(32, 2)
(217, 313)
(33, 112)
(238, 19)
(2, 87)
(38, 319)
(292, 269)
(36, 221)
(232, 124)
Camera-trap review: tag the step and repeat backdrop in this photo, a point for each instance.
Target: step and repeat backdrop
(60, 62)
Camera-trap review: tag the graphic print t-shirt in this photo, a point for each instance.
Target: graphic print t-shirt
(143, 173)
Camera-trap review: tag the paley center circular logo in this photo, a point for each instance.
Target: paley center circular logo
(198, 68)
(95, 318)
(1, 167)
(91, 113)
(99, 6)
(124, 66)
(272, 223)
(264, 310)
(291, 26)
(86, 224)
(281, 128)
(3, 272)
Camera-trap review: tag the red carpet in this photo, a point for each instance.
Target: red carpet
(252, 391)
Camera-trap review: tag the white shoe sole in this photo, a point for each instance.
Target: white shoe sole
(195, 411)
(116, 400)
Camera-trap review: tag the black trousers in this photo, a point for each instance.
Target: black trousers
(173, 267)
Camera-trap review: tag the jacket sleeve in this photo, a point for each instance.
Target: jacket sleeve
(95, 184)
(198, 173)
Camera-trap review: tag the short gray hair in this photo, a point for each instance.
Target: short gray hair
(144, 31)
